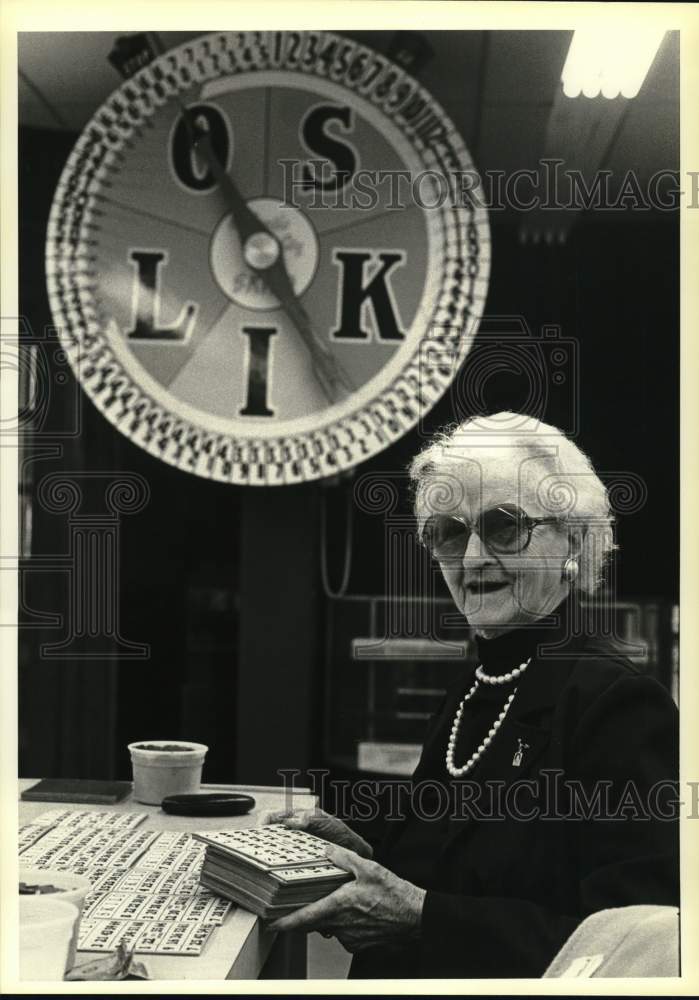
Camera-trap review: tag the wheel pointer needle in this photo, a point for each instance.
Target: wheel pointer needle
(263, 254)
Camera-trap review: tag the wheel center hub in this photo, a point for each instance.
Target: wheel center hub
(261, 250)
(239, 266)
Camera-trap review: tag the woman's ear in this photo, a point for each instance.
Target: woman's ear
(576, 538)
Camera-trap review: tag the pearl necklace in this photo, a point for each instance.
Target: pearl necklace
(458, 772)
(501, 678)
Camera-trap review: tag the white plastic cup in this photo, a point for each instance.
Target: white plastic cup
(45, 930)
(71, 888)
(159, 773)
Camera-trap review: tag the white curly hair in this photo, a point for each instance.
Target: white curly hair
(569, 489)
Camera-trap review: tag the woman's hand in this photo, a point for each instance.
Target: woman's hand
(320, 824)
(376, 908)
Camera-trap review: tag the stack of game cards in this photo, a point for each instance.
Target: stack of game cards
(270, 870)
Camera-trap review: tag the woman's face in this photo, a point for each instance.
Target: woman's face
(495, 591)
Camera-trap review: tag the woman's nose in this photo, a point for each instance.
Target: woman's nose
(476, 551)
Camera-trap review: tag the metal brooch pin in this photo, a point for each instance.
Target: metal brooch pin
(519, 752)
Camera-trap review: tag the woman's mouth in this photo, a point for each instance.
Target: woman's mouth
(485, 586)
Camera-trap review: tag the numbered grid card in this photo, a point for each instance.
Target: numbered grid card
(175, 853)
(29, 833)
(171, 840)
(84, 832)
(146, 937)
(51, 817)
(104, 879)
(309, 873)
(269, 847)
(82, 820)
(201, 906)
(78, 853)
(178, 862)
(147, 879)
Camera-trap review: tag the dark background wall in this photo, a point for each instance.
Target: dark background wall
(216, 578)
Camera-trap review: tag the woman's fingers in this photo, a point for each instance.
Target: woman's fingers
(298, 818)
(350, 860)
(299, 821)
(311, 917)
(273, 816)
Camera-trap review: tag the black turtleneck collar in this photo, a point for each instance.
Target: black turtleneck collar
(514, 647)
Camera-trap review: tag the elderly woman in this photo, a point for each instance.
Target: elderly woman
(547, 778)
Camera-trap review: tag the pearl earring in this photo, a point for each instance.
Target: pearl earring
(570, 569)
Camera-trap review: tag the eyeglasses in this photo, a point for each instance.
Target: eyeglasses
(505, 529)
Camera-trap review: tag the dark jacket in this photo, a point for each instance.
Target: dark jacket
(504, 894)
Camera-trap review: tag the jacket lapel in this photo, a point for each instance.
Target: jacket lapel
(526, 729)
(522, 739)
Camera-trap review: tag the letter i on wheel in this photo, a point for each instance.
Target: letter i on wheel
(226, 296)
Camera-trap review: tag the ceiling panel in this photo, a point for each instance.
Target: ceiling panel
(34, 109)
(663, 80)
(498, 86)
(458, 91)
(648, 139)
(524, 66)
(512, 138)
(70, 69)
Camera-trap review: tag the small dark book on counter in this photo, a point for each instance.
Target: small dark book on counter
(270, 870)
(77, 790)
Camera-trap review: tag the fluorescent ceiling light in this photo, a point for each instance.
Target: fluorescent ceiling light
(609, 61)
